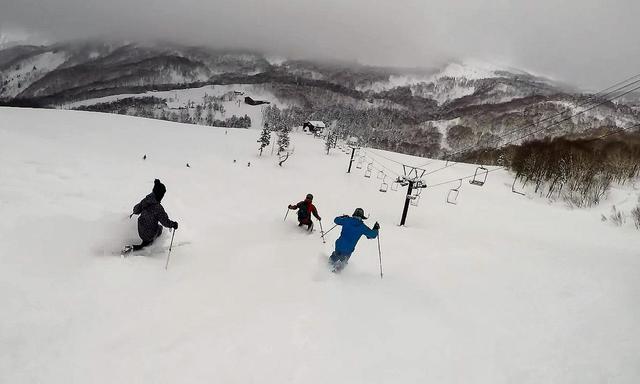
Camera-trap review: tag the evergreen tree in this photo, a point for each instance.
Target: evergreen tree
(330, 140)
(198, 116)
(210, 118)
(283, 139)
(265, 138)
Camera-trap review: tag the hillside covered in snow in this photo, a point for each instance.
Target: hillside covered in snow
(433, 112)
(498, 288)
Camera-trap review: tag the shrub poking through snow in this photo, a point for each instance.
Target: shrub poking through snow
(617, 217)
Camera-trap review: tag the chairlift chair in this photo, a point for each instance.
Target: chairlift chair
(480, 176)
(367, 173)
(381, 175)
(402, 181)
(414, 198)
(419, 184)
(384, 187)
(513, 187)
(395, 185)
(452, 196)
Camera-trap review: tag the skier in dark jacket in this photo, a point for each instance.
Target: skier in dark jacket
(151, 212)
(305, 210)
(352, 229)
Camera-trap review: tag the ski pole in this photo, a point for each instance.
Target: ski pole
(324, 234)
(321, 232)
(169, 254)
(286, 214)
(380, 254)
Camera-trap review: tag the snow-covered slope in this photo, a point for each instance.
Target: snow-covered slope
(232, 99)
(20, 76)
(497, 289)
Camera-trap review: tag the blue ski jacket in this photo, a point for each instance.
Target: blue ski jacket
(352, 229)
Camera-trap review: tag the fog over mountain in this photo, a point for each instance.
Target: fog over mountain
(588, 43)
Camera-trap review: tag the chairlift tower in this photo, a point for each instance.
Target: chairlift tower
(353, 153)
(412, 176)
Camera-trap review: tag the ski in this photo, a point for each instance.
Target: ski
(128, 249)
(337, 266)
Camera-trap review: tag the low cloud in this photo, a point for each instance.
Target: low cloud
(589, 43)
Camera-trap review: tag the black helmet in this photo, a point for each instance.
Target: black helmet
(309, 196)
(359, 212)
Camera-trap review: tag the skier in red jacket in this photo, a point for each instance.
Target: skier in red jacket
(305, 210)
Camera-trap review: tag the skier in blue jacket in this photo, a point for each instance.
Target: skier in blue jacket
(353, 228)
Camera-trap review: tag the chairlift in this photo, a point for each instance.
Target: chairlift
(513, 187)
(359, 165)
(452, 196)
(395, 185)
(384, 187)
(381, 175)
(367, 173)
(414, 198)
(419, 184)
(402, 181)
(480, 176)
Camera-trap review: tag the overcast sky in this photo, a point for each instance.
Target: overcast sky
(588, 43)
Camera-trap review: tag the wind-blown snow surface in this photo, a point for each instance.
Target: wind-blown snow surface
(498, 289)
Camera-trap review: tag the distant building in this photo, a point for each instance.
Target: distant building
(316, 127)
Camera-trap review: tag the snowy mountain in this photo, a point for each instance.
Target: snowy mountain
(457, 80)
(407, 110)
(500, 288)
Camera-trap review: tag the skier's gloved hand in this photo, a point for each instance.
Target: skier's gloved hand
(175, 225)
(376, 226)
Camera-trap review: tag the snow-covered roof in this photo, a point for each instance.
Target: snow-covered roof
(318, 124)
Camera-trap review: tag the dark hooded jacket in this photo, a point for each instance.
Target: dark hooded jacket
(151, 212)
(305, 210)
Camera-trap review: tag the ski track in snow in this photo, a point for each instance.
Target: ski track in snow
(497, 289)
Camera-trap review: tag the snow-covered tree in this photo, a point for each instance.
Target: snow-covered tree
(283, 139)
(278, 122)
(209, 118)
(330, 140)
(265, 138)
(198, 115)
